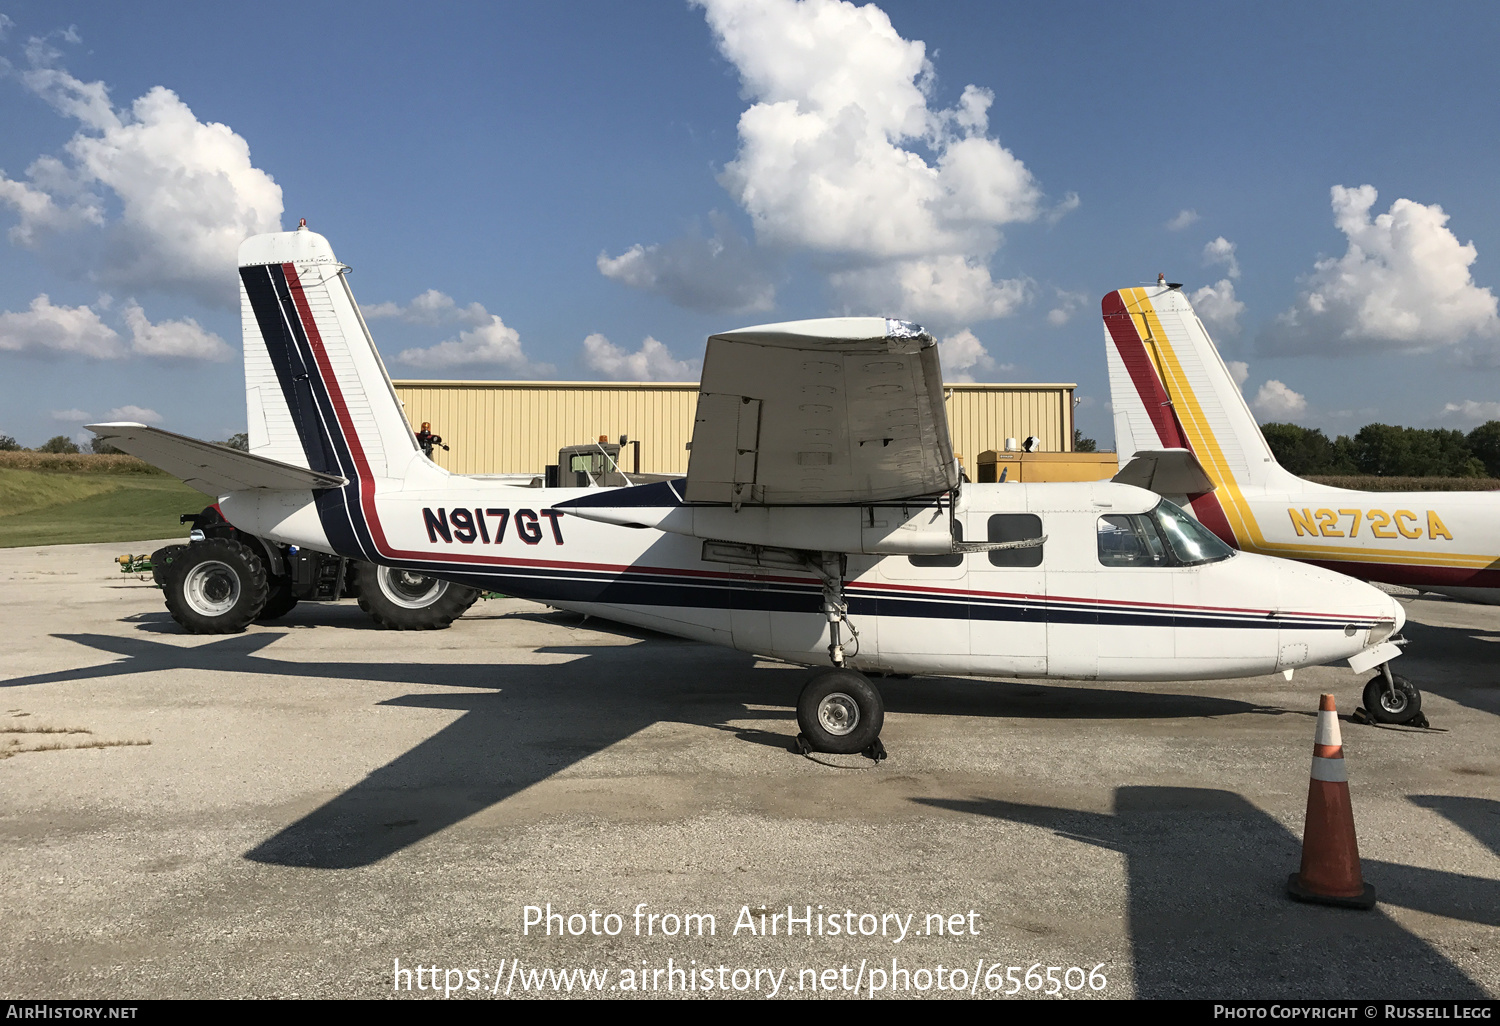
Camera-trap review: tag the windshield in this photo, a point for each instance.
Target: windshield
(1190, 541)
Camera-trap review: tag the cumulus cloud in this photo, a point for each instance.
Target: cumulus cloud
(1276, 401)
(961, 355)
(1068, 304)
(1239, 370)
(1221, 251)
(55, 331)
(177, 340)
(47, 330)
(134, 414)
(1182, 220)
(147, 197)
(430, 308)
(490, 343)
(1070, 203)
(1471, 412)
(941, 289)
(1403, 285)
(1217, 306)
(719, 274)
(842, 155)
(652, 362)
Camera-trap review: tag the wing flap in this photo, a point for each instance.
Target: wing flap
(209, 467)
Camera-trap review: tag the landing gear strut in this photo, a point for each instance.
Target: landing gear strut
(839, 710)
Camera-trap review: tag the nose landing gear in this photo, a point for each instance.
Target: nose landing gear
(1392, 699)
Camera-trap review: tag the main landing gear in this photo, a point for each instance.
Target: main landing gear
(839, 710)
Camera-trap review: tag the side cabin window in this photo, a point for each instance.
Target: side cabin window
(1166, 536)
(1009, 527)
(946, 558)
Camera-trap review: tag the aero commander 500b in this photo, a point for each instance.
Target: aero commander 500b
(822, 519)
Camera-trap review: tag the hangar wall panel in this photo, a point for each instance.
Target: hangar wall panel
(516, 427)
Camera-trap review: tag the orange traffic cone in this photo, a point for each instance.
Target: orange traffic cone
(1330, 854)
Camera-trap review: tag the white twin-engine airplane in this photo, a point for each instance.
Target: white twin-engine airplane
(822, 519)
(1179, 410)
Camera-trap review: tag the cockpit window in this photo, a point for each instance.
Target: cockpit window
(1190, 541)
(1131, 539)
(1166, 536)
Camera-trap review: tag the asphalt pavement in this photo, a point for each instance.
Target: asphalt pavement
(317, 806)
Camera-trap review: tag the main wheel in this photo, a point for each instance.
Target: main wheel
(216, 587)
(1383, 707)
(840, 712)
(404, 600)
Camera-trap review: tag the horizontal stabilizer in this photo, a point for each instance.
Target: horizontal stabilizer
(207, 466)
(1166, 472)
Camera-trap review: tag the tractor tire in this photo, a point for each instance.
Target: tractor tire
(216, 586)
(281, 600)
(402, 600)
(162, 560)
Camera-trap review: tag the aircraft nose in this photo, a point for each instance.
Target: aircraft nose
(1328, 593)
(1399, 611)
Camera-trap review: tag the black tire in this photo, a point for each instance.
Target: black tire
(406, 601)
(280, 600)
(162, 560)
(1406, 706)
(216, 586)
(840, 712)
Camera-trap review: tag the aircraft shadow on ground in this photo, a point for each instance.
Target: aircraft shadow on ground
(1478, 817)
(538, 719)
(1207, 907)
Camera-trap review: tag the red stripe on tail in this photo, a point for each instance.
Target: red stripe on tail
(1153, 394)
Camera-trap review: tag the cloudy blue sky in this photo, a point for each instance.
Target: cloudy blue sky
(587, 190)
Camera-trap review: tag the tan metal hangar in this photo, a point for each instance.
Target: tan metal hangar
(517, 427)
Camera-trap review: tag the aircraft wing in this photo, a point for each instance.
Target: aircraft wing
(820, 412)
(207, 466)
(1166, 472)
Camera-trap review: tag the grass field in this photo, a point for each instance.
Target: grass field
(89, 499)
(1369, 483)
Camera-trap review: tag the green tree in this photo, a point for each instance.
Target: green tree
(1484, 443)
(1388, 450)
(100, 447)
(58, 443)
(1082, 444)
(1300, 450)
(240, 441)
(9, 444)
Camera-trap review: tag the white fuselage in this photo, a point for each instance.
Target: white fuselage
(1067, 616)
(1435, 541)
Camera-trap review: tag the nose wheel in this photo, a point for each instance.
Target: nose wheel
(1392, 699)
(840, 712)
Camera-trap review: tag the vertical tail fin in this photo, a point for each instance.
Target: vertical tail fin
(1171, 389)
(317, 393)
